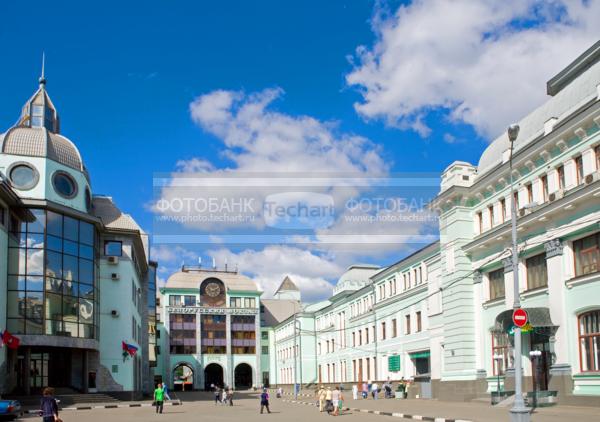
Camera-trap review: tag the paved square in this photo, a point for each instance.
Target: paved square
(200, 406)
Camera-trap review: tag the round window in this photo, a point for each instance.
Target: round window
(64, 185)
(23, 176)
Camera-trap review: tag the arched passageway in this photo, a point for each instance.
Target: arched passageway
(243, 376)
(213, 375)
(183, 377)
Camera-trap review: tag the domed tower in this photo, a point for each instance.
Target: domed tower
(52, 265)
(39, 162)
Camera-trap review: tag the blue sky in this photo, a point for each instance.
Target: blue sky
(123, 76)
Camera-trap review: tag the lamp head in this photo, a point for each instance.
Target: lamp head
(513, 132)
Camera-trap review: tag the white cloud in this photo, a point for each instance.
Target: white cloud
(172, 254)
(284, 148)
(484, 63)
(269, 266)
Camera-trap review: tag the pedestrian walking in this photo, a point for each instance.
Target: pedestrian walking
(49, 406)
(166, 391)
(328, 403)
(159, 396)
(340, 404)
(355, 392)
(264, 401)
(335, 400)
(365, 390)
(217, 392)
(230, 396)
(321, 397)
(279, 392)
(374, 390)
(224, 397)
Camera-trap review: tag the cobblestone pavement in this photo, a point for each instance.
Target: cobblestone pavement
(199, 406)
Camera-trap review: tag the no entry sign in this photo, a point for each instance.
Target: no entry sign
(520, 317)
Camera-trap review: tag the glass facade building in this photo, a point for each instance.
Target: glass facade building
(51, 276)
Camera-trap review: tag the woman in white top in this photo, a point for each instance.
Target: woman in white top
(335, 400)
(355, 392)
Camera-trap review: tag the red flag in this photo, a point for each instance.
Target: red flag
(11, 341)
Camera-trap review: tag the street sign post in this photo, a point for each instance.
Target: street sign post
(520, 317)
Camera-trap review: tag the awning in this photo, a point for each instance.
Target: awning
(539, 318)
(424, 354)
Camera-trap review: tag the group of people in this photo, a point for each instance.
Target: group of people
(330, 401)
(372, 389)
(223, 395)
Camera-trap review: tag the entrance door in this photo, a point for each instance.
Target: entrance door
(540, 366)
(38, 371)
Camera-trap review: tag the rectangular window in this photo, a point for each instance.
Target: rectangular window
(560, 172)
(182, 336)
(367, 335)
(480, 222)
(529, 188)
(496, 280)
(503, 209)
(544, 181)
(113, 248)
(579, 169)
(189, 300)
(353, 339)
(394, 328)
(587, 255)
(597, 154)
(491, 214)
(419, 321)
(383, 331)
(265, 350)
(537, 272)
(516, 199)
(500, 352)
(407, 326)
(589, 341)
(265, 335)
(174, 300)
(360, 337)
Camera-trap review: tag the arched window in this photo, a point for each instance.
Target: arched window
(589, 341)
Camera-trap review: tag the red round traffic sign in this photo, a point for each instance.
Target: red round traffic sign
(520, 317)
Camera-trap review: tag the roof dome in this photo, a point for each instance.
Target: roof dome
(355, 277)
(37, 133)
(40, 142)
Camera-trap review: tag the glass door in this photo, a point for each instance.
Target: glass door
(38, 371)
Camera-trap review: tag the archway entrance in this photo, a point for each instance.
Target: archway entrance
(213, 374)
(183, 377)
(243, 376)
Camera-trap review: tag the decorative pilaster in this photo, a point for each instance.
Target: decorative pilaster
(229, 371)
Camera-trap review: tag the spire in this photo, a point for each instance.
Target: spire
(39, 111)
(42, 79)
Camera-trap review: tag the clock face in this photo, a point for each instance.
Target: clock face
(213, 290)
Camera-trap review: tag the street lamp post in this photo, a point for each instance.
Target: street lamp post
(519, 412)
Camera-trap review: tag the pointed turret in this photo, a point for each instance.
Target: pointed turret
(39, 111)
(287, 290)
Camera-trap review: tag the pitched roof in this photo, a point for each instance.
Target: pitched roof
(112, 217)
(287, 285)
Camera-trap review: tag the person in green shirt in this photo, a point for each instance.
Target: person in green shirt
(159, 394)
